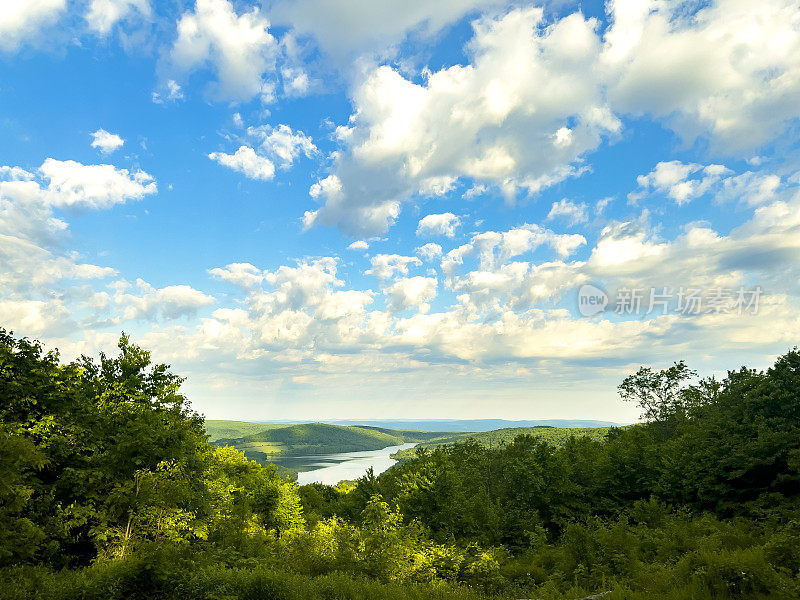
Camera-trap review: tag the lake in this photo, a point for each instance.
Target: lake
(330, 469)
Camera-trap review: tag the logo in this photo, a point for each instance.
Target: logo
(591, 300)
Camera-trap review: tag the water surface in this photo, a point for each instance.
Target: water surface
(330, 469)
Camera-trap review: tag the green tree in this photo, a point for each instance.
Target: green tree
(660, 394)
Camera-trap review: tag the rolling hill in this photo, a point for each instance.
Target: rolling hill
(265, 441)
(553, 435)
(218, 429)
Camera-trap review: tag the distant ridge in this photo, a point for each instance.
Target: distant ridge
(476, 425)
(473, 424)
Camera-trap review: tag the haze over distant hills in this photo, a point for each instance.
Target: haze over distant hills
(476, 425)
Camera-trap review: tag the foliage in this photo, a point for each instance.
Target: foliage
(556, 436)
(271, 440)
(219, 429)
(110, 489)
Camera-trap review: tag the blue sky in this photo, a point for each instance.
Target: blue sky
(319, 210)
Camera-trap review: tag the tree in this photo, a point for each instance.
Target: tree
(660, 394)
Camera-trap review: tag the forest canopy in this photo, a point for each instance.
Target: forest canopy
(109, 488)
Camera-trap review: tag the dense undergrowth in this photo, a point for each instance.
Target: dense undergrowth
(109, 489)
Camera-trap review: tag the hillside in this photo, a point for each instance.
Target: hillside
(218, 429)
(277, 440)
(266, 442)
(469, 425)
(556, 436)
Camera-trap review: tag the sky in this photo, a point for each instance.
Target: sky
(372, 209)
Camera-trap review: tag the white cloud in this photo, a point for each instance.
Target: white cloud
(22, 20)
(358, 245)
(429, 252)
(283, 143)
(510, 308)
(724, 71)
(43, 285)
(296, 81)
(602, 204)
(171, 92)
(494, 247)
(274, 144)
(441, 224)
(145, 302)
(104, 14)
(348, 30)
(505, 305)
(238, 47)
(572, 213)
(411, 291)
(750, 188)
(106, 142)
(519, 116)
(765, 248)
(386, 266)
(730, 71)
(684, 182)
(72, 184)
(245, 160)
(243, 275)
(36, 317)
(35, 264)
(678, 181)
(27, 199)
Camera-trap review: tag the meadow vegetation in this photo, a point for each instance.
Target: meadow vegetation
(109, 488)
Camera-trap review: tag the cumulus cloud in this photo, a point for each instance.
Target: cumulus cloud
(429, 252)
(684, 182)
(244, 275)
(22, 21)
(246, 161)
(106, 142)
(536, 96)
(750, 188)
(494, 246)
(32, 236)
(441, 224)
(237, 47)
(507, 305)
(75, 185)
(348, 30)
(729, 71)
(104, 14)
(274, 144)
(358, 245)
(679, 181)
(509, 302)
(142, 301)
(571, 212)
(284, 144)
(386, 266)
(36, 317)
(46, 289)
(411, 291)
(27, 199)
(764, 248)
(171, 92)
(519, 116)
